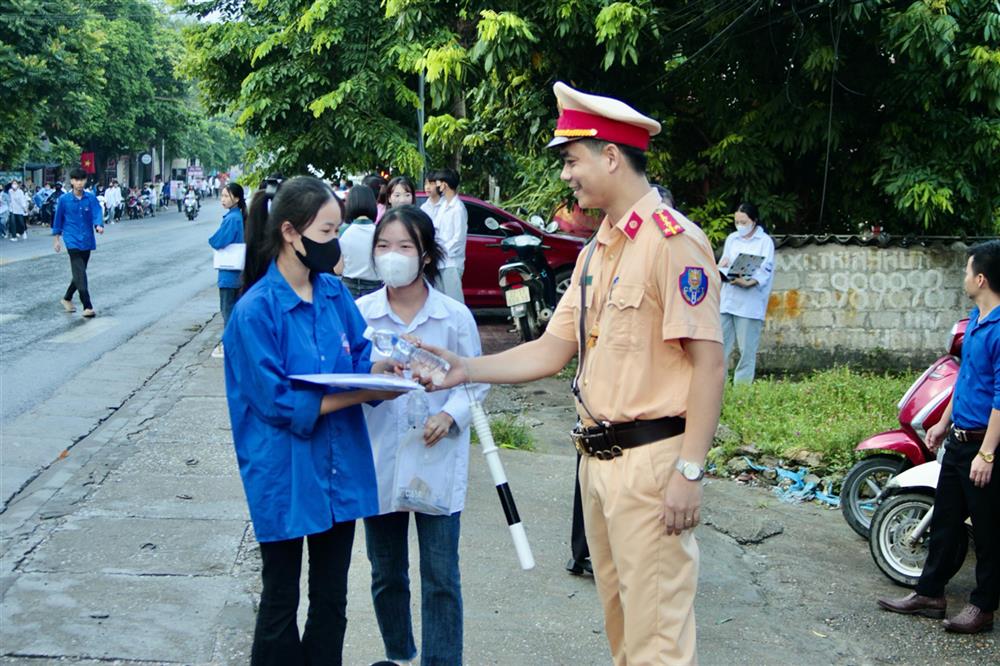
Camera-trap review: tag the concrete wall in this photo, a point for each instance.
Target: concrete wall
(882, 307)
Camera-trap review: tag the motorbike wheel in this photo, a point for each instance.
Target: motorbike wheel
(862, 486)
(526, 327)
(892, 521)
(563, 279)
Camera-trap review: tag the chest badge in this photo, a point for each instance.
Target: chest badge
(693, 285)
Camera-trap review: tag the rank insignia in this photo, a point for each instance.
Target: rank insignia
(693, 285)
(667, 224)
(633, 225)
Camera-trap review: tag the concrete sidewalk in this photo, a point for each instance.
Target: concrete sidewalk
(136, 547)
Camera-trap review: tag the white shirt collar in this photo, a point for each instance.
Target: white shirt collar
(434, 307)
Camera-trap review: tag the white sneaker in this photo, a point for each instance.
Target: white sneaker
(14, 239)
(218, 352)
(24, 236)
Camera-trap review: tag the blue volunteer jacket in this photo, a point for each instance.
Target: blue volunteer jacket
(75, 220)
(229, 232)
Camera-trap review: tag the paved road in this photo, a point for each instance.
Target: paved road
(62, 375)
(139, 273)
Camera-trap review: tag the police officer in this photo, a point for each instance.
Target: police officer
(642, 315)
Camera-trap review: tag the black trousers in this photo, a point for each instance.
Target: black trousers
(956, 499)
(78, 260)
(578, 538)
(276, 635)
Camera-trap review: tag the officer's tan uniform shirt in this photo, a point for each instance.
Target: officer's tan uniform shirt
(647, 292)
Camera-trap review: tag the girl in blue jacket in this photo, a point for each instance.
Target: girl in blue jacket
(229, 232)
(303, 449)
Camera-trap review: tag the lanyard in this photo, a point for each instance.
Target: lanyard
(582, 342)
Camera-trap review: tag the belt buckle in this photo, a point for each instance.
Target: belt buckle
(960, 435)
(577, 436)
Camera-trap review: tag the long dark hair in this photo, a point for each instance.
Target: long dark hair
(418, 224)
(297, 201)
(360, 203)
(750, 210)
(236, 191)
(406, 183)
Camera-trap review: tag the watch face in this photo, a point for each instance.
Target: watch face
(690, 471)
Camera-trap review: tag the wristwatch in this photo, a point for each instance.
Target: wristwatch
(690, 470)
(988, 457)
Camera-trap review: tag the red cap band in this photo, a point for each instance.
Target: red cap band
(581, 125)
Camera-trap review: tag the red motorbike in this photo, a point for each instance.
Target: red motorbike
(921, 407)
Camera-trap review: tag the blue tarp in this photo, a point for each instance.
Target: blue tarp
(798, 490)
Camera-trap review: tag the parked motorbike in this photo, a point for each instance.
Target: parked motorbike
(134, 207)
(527, 282)
(900, 526)
(920, 408)
(146, 199)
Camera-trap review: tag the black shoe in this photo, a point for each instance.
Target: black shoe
(580, 567)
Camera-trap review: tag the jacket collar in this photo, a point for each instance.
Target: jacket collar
(630, 223)
(287, 298)
(434, 307)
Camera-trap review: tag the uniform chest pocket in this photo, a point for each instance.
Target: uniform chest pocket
(623, 326)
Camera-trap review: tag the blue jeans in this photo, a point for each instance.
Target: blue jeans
(440, 586)
(745, 333)
(227, 299)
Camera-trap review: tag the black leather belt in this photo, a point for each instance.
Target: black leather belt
(608, 441)
(973, 436)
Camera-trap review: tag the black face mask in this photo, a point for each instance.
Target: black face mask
(320, 257)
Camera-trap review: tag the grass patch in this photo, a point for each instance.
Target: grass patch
(569, 372)
(826, 412)
(509, 433)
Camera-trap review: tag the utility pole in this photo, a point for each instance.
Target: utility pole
(420, 125)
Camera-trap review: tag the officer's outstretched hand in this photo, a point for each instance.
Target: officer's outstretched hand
(457, 374)
(681, 504)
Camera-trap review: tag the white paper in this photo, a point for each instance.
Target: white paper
(230, 258)
(381, 382)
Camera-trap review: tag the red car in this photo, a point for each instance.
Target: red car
(480, 283)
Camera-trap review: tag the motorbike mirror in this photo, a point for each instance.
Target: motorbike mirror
(537, 221)
(492, 224)
(552, 227)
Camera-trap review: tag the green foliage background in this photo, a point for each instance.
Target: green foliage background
(831, 115)
(100, 75)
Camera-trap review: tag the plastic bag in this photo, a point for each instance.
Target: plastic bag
(425, 475)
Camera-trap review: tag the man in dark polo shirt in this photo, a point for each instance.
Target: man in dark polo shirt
(967, 485)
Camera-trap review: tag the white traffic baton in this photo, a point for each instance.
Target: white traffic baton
(492, 455)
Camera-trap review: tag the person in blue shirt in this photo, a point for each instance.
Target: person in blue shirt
(967, 486)
(303, 450)
(78, 215)
(229, 232)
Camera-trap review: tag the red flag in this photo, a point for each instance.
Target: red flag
(87, 162)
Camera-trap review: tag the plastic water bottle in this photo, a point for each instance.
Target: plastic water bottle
(417, 359)
(417, 409)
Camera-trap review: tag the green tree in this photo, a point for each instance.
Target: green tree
(311, 82)
(48, 58)
(830, 115)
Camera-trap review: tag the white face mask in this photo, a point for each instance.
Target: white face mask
(397, 270)
(743, 229)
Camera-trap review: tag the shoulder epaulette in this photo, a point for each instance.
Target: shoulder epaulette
(667, 223)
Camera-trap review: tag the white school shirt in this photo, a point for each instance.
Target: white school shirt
(18, 202)
(442, 322)
(356, 246)
(751, 302)
(112, 197)
(451, 225)
(431, 209)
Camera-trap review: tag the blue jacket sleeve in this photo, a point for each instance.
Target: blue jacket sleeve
(59, 219)
(96, 212)
(258, 367)
(229, 232)
(354, 324)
